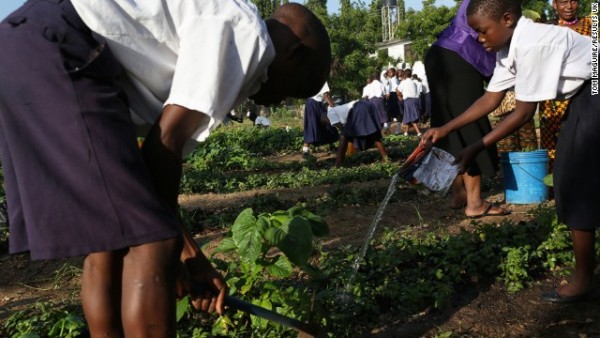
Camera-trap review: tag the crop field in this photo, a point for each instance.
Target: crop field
(286, 232)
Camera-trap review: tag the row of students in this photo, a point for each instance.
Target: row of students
(396, 93)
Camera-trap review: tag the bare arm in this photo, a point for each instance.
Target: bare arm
(515, 120)
(162, 150)
(328, 99)
(523, 113)
(483, 106)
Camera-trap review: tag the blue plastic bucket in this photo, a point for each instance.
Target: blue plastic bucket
(523, 176)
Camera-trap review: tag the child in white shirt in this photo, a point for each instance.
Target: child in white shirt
(544, 62)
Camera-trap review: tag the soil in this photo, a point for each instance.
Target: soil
(486, 310)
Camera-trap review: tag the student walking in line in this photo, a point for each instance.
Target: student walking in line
(408, 91)
(374, 91)
(392, 103)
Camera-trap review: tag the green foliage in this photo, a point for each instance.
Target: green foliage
(267, 7)
(549, 180)
(404, 272)
(289, 231)
(423, 26)
(266, 247)
(203, 182)
(355, 33)
(514, 267)
(45, 320)
(232, 149)
(542, 7)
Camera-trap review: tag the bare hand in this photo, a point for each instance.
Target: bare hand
(204, 284)
(433, 135)
(466, 157)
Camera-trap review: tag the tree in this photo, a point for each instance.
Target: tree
(542, 7)
(355, 34)
(267, 7)
(319, 7)
(423, 26)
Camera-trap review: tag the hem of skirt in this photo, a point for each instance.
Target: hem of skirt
(60, 253)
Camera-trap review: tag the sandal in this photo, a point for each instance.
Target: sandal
(486, 212)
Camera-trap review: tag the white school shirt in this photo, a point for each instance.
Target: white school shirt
(408, 88)
(339, 114)
(552, 62)
(365, 91)
(207, 55)
(262, 121)
(393, 84)
(377, 89)
(419, 87)
(321, 93)
(374, 89)
(424, 86)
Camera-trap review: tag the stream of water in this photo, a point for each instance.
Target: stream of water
(363, 250)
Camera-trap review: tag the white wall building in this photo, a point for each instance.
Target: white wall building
(398, 49)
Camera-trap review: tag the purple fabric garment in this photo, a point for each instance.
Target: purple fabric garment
(76, 181)
(462, 39)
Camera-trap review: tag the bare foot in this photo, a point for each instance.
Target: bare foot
(575, 288)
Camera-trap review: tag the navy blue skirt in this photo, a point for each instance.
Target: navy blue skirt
(363, 126)
(76, 182)
(577, 165)
(379, 104)
(411, 111)
(317, 131)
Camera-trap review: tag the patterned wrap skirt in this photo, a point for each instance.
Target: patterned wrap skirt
(525, 138)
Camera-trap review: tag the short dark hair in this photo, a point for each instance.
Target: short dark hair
(316, 54)
(495, 8)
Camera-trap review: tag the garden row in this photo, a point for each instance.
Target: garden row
(273, 254)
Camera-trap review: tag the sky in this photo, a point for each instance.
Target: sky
(7, 6)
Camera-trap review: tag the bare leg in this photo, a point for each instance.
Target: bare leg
(459, 194)
(416, 128)
(585, 264)
(101, 293)
(341, 155)
(149, 276)
(475, 204)
(382, 152)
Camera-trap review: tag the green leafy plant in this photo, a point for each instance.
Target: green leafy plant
(515, 268)
(46, 320)
(263, 251)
